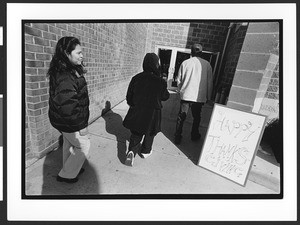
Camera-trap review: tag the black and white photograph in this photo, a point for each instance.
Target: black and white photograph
(135, 106)
(134, 119)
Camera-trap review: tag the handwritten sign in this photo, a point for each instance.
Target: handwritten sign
(231, 142)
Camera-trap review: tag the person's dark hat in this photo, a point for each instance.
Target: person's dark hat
(197, 48)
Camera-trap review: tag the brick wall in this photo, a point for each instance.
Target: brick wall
(256, 65)
(232, 54)
(182, 35)
(211, 34)
(113, 53)
(170, 34)
(273, 88)
(270, 101)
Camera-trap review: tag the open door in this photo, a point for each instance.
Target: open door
(180, 57)
(165, 58)
(172, 57)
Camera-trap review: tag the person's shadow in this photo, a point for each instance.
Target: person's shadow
(114, 126)
(191, 149)
(88, 183)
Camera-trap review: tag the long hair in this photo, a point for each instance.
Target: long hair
(60, 62)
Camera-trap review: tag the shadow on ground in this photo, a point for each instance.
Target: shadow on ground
(114, 126)
(191, 149)
(87, 184)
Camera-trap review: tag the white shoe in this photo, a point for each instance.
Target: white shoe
(129, 159)
(146, 155)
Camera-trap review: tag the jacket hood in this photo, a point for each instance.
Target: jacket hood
(151, 63)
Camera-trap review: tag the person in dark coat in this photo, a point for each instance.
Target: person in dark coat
(144, 95)
(69, 106)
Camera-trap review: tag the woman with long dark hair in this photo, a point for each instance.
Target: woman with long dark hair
(69, 106)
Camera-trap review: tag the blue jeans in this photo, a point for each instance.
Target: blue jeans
(196, 108)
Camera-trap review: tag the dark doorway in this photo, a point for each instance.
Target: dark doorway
(172, 57)
(165, 57)
(211, 57)
(180, 57)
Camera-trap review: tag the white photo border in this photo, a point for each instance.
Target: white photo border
(121, 210)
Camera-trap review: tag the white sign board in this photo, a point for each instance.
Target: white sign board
(231, 142)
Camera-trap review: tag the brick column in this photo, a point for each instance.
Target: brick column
(256, 64)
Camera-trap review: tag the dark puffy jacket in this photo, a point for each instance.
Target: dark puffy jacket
(68, 102)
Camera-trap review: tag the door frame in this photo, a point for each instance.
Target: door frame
(173, 60)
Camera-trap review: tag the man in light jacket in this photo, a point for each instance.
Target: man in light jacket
(195, 83)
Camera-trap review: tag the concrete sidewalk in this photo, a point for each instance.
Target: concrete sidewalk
(170, 169)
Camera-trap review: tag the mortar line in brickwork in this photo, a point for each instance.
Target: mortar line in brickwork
(239, 103)
(277, 32)
(257, 53)
(245, 88)
(257, 71)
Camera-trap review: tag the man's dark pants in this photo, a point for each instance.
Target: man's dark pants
(196, 108)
